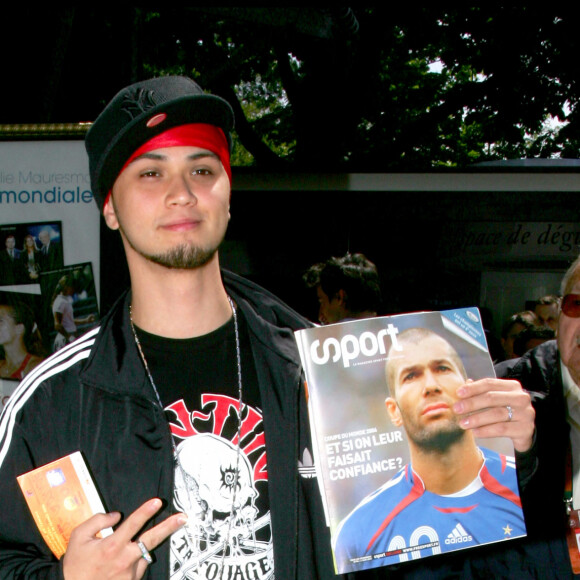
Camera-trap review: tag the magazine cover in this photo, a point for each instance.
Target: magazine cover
(400, 478)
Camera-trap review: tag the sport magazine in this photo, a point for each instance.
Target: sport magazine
(400, 479)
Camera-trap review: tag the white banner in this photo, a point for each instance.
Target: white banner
(49, 253)
(48, 181)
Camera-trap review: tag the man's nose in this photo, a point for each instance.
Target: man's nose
(430, 385)
(181, 191)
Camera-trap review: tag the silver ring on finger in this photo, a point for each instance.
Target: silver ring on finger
(144, 552)
(510, 412)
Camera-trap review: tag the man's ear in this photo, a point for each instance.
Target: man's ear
(341, 297)
(109, 214)
(393, 411)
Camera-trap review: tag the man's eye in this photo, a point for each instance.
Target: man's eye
(202, 172)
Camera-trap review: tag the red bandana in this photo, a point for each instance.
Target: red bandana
(201, 135)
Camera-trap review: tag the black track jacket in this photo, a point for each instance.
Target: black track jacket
(94, 396)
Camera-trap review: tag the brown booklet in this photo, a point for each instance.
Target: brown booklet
(61, 495)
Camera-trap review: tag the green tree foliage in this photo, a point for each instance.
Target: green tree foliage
(401, 87)
(383, 88)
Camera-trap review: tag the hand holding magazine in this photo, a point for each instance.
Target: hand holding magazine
(400, 476)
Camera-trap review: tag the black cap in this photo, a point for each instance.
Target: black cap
(140, 112)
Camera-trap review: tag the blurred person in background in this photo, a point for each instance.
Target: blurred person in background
(348, 288)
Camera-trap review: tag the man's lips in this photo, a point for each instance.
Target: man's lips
(435, 409)
(181, 225)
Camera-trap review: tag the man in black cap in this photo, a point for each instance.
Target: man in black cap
(188, 401)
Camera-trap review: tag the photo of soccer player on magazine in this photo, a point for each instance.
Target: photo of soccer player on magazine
(404, 479)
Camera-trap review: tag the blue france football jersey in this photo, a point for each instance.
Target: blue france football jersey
(402, 521)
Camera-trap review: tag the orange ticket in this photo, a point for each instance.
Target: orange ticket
(61, 495)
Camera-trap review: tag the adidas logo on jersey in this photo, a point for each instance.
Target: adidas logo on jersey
(306, 466)
(458, 536)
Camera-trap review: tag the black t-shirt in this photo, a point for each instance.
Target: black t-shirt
(197, 382)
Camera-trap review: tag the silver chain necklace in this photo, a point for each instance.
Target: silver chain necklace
(239, 427)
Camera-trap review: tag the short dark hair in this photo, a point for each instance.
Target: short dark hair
(353, 273)
(526, 318)
(533, 332)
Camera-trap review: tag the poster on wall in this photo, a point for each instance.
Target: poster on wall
(23, 336)
(49, 227)
(7, 387)
(69, 304)
(28, 249)
(47, 183)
